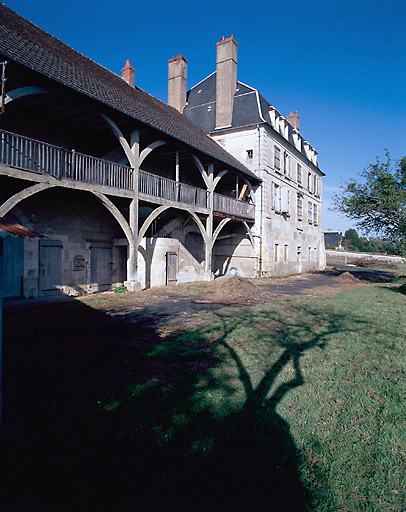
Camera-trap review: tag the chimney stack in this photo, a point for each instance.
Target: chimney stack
(294, 120)
(128, 73)
(226, 81)
(177, 77)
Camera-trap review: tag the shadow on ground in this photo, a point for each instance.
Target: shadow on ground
(104, 413)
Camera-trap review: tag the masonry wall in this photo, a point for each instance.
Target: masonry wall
(72, 225)
(291, 242)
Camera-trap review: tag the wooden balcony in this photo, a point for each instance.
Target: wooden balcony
(40, 158)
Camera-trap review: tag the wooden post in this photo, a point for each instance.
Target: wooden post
(177, 176)
(209, 227)
(132, 262)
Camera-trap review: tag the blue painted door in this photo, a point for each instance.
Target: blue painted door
(50, 267)
(13, 266)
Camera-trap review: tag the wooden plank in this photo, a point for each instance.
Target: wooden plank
(244, 188)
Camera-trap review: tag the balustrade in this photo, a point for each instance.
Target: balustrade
(39, 157)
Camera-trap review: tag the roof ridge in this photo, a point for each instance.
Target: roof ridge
(63, 64)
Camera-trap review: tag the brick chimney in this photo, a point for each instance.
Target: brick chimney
(128, 73)
(294, 120)
(177, 77)
(226, 80)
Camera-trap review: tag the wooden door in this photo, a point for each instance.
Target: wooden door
(50, 267)
(171, 268)
(101, 263)
(12, 266)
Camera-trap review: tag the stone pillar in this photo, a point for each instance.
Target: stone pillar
(177, 78)
(226, 81)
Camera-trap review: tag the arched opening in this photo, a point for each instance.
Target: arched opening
(233, 252)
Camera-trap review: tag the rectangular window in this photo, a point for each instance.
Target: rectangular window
(309, 181)
(250, 154)
(277, 158)
(299, 207)
(276, 197)
(310, 212)
(299, 174)
(285, 203)
(318, 186)
(286, 254)
(315, 214)
(276, 253)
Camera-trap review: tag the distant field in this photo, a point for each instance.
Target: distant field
(296, 404)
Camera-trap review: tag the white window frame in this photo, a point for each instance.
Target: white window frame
(299, 174)
(299, 207)
(277, 158)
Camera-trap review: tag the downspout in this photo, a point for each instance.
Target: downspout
(261, 208)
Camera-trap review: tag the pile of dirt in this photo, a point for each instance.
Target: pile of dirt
(365, 262)
(345, 278)
(238, 290)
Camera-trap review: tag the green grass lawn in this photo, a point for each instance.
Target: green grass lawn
(292, 406)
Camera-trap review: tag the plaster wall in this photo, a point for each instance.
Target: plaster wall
(235, 256)
(152, 262)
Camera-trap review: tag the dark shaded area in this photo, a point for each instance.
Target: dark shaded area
(101, 413)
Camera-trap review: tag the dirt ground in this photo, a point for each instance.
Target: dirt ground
(187, 300)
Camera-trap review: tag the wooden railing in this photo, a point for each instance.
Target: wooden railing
(39, 157)
(165, 188)
(230, 206)
(35, 156)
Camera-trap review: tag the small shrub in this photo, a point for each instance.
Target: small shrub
(120, 289)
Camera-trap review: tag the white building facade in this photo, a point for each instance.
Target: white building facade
(287, 230)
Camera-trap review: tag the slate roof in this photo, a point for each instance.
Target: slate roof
(31, 46)
(250, 108)
(333, 237)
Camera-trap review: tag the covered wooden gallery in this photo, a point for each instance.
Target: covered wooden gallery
(124, 187)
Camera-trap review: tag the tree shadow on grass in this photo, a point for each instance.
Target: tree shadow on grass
(104, 413)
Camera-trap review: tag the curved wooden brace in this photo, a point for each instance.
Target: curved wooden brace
(112, 208)
(20, 92)
(218, 178)
(249, 233)
(202, 171)
(124, 144)
(219, 228)
(146, 151)
(23, 194)
(151, 217)
(200, 225)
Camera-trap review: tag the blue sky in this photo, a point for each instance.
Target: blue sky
(339, 63)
